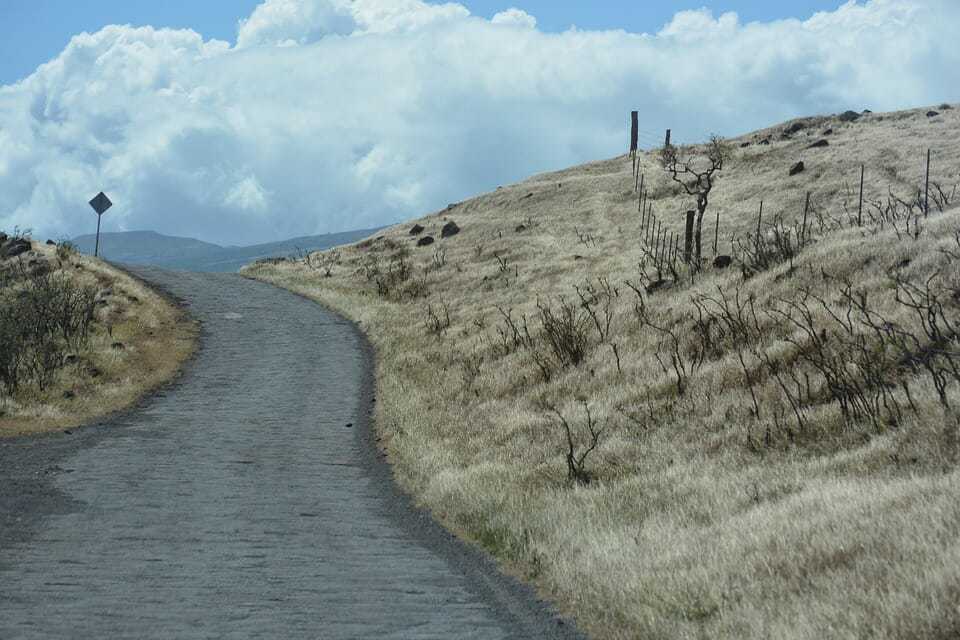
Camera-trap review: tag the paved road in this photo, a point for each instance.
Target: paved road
(239, 503)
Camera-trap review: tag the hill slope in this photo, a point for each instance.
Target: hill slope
(79, 338)
(189, 254)
(765, 450)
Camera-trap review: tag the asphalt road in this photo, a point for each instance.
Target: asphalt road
(246, 500)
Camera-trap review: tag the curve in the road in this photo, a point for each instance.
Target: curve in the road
(246, 500)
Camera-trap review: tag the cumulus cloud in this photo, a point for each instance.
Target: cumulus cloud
(515, 17)
(286, 22)
(328, 115)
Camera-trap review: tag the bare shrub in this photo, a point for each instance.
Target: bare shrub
(669, 353)
(439, 259)
(565, 329)
(470, 367)
(513, 334)
(397, 273)
(438, 319)
(762, 250)
(576, 454)
(597, 300)
(66, 250)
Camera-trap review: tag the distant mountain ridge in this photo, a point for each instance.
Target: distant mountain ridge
(190, 254)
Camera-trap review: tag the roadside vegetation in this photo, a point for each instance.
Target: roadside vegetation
(756, 435)
(78, 338)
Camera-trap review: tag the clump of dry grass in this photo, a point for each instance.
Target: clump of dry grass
(81, 340)
(767, 450)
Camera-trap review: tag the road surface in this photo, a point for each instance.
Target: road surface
(246, 500)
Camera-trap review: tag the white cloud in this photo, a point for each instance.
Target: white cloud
(247, 195)
(515, 17)
(286, 22)
(377, 110)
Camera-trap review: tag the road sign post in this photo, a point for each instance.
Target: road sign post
(100, 204)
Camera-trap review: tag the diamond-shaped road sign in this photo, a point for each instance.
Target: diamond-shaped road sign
(100, 203)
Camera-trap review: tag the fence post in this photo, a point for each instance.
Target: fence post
(926, 188)
(716, 234)
(640, 190)
(756, 240)
(803, 229)
(656, 252)
(860, 206)
(688, 237)
(666, 140)
(659, 227)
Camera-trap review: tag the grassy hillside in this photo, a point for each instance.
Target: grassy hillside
(78, 338)
(767, 450)
(188, 254)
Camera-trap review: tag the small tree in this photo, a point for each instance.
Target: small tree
(694, 171)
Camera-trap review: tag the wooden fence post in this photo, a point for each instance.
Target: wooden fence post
(716, 234)
(634, 132)
(803, 229)
(860, 206)
(640, 189)
(756, 240)
(688, 237)
(666, 140)
(659, 227)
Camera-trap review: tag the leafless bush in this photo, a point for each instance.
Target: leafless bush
(780, 242)
(940, 197)
(438, 319)
(470, 366)
(439, 259)
(935, 348)
(901, 215)
(414, 288)
(640, 304)
(597, 300)
(66, 250)
(513, 334)
(370, 267)
(576, 454)
(725, 323)
(323, 262)
(502, 263)
(565, 329)
(669, 353)
(586, 239)
(398, 272)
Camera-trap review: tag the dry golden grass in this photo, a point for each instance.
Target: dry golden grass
(703, 519)
(138, 342)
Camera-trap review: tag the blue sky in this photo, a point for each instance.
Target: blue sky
(316, 116)
(37, 30)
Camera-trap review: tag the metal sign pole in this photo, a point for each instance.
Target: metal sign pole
(96, 250)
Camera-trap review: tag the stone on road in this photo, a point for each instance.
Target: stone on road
(238, 503)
